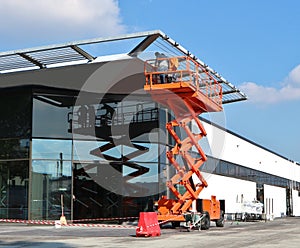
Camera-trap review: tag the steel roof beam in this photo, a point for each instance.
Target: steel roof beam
(32, 60)
(231, 92)
(82, 52)
(233, 100)
(142, 46)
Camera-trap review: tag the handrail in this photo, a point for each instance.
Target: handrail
(188, 71)
(134, 114)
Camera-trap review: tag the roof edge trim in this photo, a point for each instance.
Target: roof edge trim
(84, 42)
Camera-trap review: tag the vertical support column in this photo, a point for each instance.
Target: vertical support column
(29, 215)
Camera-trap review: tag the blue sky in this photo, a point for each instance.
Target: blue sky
(253, 44)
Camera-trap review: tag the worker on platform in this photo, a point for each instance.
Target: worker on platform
(174, 63)
(162, 65)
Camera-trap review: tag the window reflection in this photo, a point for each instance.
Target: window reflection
(54, 168)
(148, 152)
(141, 173)
(14, 148)
(51, 149)
(88, 150)
(14, 189)
(15, 114)
(226, 168)
(93, 150)
(51, 180)
(50, 119)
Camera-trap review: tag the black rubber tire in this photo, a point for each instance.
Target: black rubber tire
(175, 224)
(246, 217)
(220, 222)
(205, 223)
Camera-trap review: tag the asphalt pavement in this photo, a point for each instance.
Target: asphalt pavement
(282, 232)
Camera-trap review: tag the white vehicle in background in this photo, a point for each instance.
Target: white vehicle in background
(250, 210)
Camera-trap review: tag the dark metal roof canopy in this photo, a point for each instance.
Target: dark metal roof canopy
(87, 51)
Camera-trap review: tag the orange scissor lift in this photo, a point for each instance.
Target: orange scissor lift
(189, 89)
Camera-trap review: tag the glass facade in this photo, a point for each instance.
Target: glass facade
(14, 148)
(15, 130)
(51, 168)
(51, 178)
(50, 116)
(14, 189)
(114, 156)
(51, 183)
(15, 114)
(99, 158)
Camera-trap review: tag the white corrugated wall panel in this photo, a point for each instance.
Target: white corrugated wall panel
(278, 207)
(296, 203)
(225, 188)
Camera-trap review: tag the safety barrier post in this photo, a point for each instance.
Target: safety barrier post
(148, 225)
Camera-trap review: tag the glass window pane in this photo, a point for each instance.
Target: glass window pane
(51, 180)
(88, 150)
(15, 112)
(14, 148)
(14, 189)
(51, 149)
(50, 117)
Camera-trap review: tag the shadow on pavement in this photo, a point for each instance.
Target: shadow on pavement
(40, 244)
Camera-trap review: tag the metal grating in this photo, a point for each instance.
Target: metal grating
(231, 93)
(60, 55)
(14, 61)
(41, 59)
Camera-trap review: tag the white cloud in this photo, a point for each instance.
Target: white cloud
(289, 91)
(52, 20)
(294, 77)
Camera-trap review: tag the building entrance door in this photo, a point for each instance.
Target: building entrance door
(91, 200)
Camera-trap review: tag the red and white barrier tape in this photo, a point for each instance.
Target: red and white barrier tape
(106, 219)
(37, 222)
(71, 222)
(101, 225)
(50, 222)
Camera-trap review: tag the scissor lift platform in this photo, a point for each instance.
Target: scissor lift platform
(188, 89)
(174, 93)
